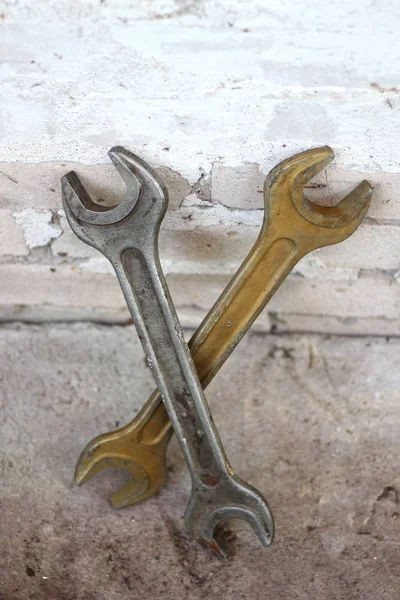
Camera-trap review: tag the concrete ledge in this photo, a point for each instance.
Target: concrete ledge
(69, 293)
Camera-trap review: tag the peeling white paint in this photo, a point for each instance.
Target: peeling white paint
(38, 226)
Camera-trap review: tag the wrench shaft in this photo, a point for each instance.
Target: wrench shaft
(148, 300)
(240, 304)
(262, 272)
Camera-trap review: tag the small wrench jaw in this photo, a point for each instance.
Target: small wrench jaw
(345, 217)
(132, 168)
(144, 204)
(147, 472)
(80, 208)
(138, 448)
(215, 538)
(143, 483)
(284, 197)
(138, 484)
(247, 505)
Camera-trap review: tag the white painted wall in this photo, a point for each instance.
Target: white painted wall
(213, 93)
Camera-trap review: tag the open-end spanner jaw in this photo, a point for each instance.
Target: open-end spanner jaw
(137, 484)
(147, 472)
(139, 214)
(286, 182)
(207, 510)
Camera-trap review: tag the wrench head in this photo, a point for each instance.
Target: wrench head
(139, 448)
(139, 213)
(230, 498)
(136, 486)
(286, 202)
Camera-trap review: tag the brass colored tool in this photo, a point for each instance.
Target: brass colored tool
(292, 227)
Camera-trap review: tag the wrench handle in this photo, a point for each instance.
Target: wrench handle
(150, 305)
(240, 304)
(247, 294)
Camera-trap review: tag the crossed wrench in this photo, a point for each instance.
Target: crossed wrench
(127, 235)
(292, 227)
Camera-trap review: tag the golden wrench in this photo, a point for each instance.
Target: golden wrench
(293, 226)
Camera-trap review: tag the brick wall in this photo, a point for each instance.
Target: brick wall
(213, 94)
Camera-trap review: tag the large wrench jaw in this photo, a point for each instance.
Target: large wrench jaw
(138, 215)
(286, 203)
(139, 448)
(114, 449)
(208, 509)
(138, 482)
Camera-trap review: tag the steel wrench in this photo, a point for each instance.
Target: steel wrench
(292, 227)
(127, 235)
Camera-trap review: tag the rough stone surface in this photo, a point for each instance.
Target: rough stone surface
(312, 421)
(90, 291)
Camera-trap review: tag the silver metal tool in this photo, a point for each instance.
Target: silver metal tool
(128, 236)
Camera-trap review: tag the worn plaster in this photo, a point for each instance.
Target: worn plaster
(40, 227)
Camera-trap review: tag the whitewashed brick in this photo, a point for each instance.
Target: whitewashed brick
(11, 236)
(370, 247)
(63, 286)
(47, 312)
(238, 187)
(364, 298)
(242, 187)
(69, 245)
(37, 185)
(71, 286)
(205, 249)
(40, 227)
(274, 322)
(222, 248)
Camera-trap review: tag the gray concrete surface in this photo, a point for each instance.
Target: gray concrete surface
(312, 421)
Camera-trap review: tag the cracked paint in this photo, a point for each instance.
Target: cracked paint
(39, 227)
